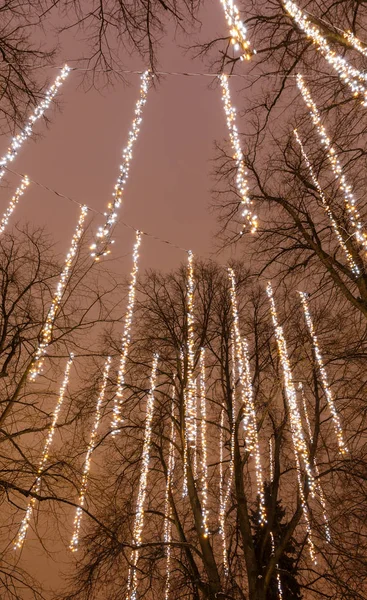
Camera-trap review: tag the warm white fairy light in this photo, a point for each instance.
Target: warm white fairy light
(168, 509)
(126, 338)
(355, 42)
(46, 333)
(184, 438)
(237, 29)
(222, 494)
(345, 188)
(327, 208)
(241, 181)
(279, 581)
(13, 202)
(354, 79)
(87, 462)
(305, 511)
(191, 387)
(131, 593)
(100, 247)
(44, 458)
(39, 111)
(271, 458)
(324, 379)
(204, 468)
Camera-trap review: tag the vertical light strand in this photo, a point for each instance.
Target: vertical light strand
(237, 29)
(184, 425)
(271, 459)
(44, 458)
(132, 586)
(126, 338)
(320, 491)
(222, 495)
(305, 510)
(46, 333)
(279, 581)
(241, 181)
(195, 448)
(100, 247)
(344, 187)
(167, 508)
(38, 112)
(352, 77)
(326, 207)
(204, 467)
(324, 379)
(13, 202)
(74, 543)
(191, 388)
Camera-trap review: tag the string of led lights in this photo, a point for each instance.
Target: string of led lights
(279, 581)
(336, 167)
(100, 247)
(271, 466)
(195, 448)
(327, 208)
(13, 202)
(324, 378)
(222, 495)
(354, 79)
(167, 507)
(241, 181)
(191, 387)
(74, 543)
(46, 333)
(355, 42)
(204, 469)
(126, 338)
(132, 585)
(184, 428)
(237, 29)
(44, 458)
(38, 112)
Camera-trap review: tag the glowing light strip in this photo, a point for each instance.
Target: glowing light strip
(185, 442)
(100, 247)
(83, 488)
(39, 111)
(46, 333)
(327, 208)
(222, 495)
(324, 379)
(279, 581)
(131, 593)
(241, 181)
(353, 78)
(204, 474)
(167, 509)
(237, 29)
(195, 431)
(271, 465)
(45, 454)
(191, 386)
(355, 42)
(344, 187)
(126, 338)
(305, 510)
(13, 202)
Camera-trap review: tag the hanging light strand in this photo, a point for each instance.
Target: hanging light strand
(74, 544)
(46, 333)
(327, 208)
(168, 510)
(131, 593)
(237, 30)
(241, 181)
(126, 338)
(324, 378)
(100, 247)
(344, 187)
(39, 111)
(184, 437)
(279, 581)
(44, 458)
(191, 387)
(13, 202)
(204, 472)
(222, 495)
(271, 459)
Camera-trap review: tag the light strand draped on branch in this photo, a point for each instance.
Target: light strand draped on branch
(279, 581)
(167, 508)
(185, 449)
(46, 333)
(237, 29)
(13, 202)
(87, 462)
(204, 466)
(39, 111)
(355, 42)
(44, 458)
(100, 247)
(222, 494)
(191, 386)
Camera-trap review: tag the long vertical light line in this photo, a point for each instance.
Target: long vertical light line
(279, 581)
(18, 140)
(126, 338)
(44, 458)
(46, 333)
(344, 187)
(222, 494)
(204, 467)
(185, 449)
(271, 459)
(167, 508)
(191, 387)
(13, 202)
(100, 247)
(131, 593)
(237, 29)
(74, 543)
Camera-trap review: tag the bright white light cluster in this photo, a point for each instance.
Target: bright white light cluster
(271, 458)
(13, 202)
(45, 454)
(167, 508)
(241, 181)
(191, 385)
(185, 442)
(279, 581)
(355, 79)
(100, 247)
(355, 42)
(223, 493)
(126, 338)
(132, 585)
(92, 441)
(324, 379)
(204, 471)
(39, 111)
(237, 29)
(345, 188)
(46, 333)
(327, 208)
